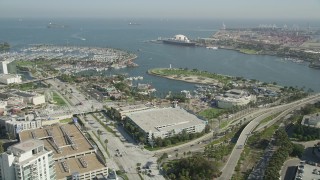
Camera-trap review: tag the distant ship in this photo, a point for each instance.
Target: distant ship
(179, 40)
(54, 25)
(133, 23)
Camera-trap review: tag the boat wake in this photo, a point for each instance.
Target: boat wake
(77, 36)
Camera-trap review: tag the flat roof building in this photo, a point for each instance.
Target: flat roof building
(312, 120)
(74, 156)
(166, 122)
(27, 97)
(10, 78)
(121, 112)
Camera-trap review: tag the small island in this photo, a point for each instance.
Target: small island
(192, 76)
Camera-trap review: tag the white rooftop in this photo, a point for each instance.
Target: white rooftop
(133, 107)
(164, 119)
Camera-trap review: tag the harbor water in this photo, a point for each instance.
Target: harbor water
(136, 39)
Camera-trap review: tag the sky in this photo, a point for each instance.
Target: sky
(215, 9)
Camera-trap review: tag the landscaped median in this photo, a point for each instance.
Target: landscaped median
(253, 151)
(57, 99)
(65, 121)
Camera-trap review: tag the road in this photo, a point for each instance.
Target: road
(228, 169)
(289, 169)
(200, 143)
(124, 152)
(76, 101)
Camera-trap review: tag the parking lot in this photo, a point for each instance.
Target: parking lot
(125, 154)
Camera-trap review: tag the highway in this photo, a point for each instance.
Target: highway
(228, 169)
(199, 144)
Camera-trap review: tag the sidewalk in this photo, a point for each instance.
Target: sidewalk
(100, 146)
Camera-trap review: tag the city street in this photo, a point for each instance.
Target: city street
(124, 152)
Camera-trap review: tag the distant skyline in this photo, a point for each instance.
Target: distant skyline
(213, 9)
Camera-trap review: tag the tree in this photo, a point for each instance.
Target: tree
(1, 147)
(99, 132)
(195, 167)
(207, 129)
(297, 150)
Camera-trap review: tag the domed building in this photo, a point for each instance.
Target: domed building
(234, 97)
(179, 39)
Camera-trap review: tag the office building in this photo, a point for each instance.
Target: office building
(3, 67)
(10, 78)
(14, 124)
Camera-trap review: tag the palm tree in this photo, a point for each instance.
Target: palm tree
(99, 132)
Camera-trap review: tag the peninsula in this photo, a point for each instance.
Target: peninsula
(192, 76)
(290, 43)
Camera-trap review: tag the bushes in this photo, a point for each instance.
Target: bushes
(305, 133)
(297, 150)
(195, 167)
(184, 136)
(279, 157)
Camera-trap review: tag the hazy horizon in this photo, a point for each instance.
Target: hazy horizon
(178, 9)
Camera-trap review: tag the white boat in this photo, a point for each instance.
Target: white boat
(212, 47)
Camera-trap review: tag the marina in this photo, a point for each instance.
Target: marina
(73, 59)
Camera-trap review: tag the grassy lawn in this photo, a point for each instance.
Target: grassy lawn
(211, 113)
(58, 100)
(224, 124)
(248, 51)
(267, 133)
(269, 118)
(186, 72)
(226, 137)
(65, 120)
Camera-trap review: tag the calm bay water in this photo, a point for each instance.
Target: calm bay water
(118, 34)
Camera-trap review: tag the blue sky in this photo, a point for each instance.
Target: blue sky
(215, 9)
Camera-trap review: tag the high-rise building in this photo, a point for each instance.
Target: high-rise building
(3, 67)
(27, 160)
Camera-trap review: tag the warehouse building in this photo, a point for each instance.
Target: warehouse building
(165, 122)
